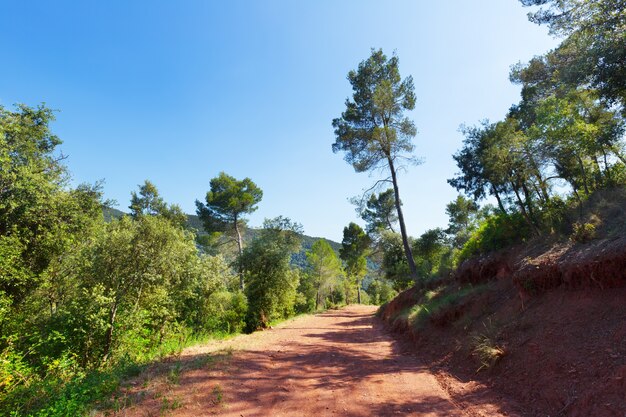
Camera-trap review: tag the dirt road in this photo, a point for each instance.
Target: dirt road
(339, 363)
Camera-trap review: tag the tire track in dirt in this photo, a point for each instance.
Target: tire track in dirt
(339, 363)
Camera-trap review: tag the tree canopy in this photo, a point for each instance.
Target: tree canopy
(228, 201)
(373, 131)
(149, 203)
(324, 270)
(354, 247)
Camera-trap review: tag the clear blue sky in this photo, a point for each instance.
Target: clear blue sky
(177, 91)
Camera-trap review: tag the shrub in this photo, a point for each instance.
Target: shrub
(226, 312)
(583, 232)
(486, 350)
(496, 232)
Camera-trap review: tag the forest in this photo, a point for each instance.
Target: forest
(88, 298)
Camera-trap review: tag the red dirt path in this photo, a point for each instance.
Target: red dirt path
(339, 363)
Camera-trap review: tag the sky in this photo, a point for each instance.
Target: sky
(178, 91)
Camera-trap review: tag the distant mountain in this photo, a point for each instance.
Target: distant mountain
(111, 213)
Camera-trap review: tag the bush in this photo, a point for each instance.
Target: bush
(226, 312)
(583, 232)
(496, 232)
(380, 291)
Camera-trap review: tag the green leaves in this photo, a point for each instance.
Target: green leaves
(324, 273)
(270, 282)
(373, 131)
(228, 200)
(373, 128)
(149, 203)
(591, 55)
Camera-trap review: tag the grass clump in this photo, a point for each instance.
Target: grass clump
(487, 352)
(439, 303)
(485, 348)
(583, 232)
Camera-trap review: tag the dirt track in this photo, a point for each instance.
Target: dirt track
(340, 363)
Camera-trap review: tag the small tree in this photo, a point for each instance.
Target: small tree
(325, 269)
(353, 250)
(272, 284)
(373, 131)
(144, 265)
(462, 213)
(149, 203)
(380, 212)
(226, 204)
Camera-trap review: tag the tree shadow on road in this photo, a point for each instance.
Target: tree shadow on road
(313, 374)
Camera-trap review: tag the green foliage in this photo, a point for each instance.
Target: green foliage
(149, 203)
(271, 284)
(64, 392)
(428, 250)
(373, 131)
(380, 96)
(354, 248)
(394, 262)
(591, 54)
(78, 295)
(380, 291)
(583, 232)
(225, 312)
(227, 202)
(496, 232)
(324, 274)
(462, 214)
(380, 212)
(437, 303)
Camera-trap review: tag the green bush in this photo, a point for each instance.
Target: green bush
(226, 312)
(496, 232)
(380, 291)
(583, 232)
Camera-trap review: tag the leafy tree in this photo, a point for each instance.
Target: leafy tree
(429, 250)
(226, 204)
(461, 215)
(215, 302)
(380, 212)
(272, 283)
(592, 52)
(42, 221)
(145, 265)
(149, 203)
(373, 131)
(324, 270)
(580, 138)
(394, 262)
(380, 291)
(354, 247)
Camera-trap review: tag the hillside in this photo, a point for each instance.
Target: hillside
(543, 322)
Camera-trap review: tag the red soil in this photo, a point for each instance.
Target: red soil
(340, 363)
(560, 318)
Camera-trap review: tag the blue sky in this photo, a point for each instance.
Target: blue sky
(177, 91)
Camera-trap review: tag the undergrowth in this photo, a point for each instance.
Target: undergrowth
(436, 302)
(72, 391)
(484, 346)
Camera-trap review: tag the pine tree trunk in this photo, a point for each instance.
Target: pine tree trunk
(240, 247)
(497, 195)
(405, 239)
